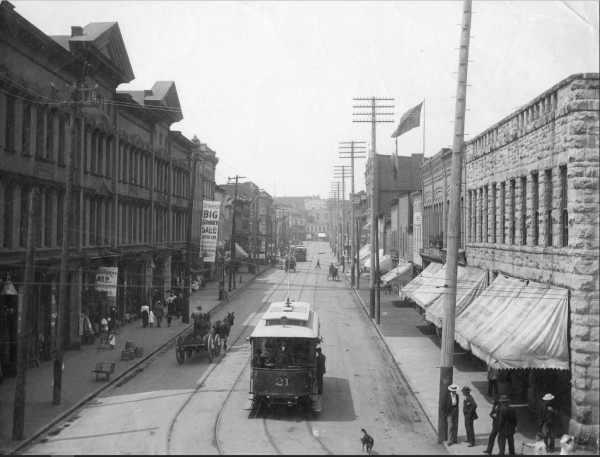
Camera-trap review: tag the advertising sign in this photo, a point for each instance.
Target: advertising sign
(210, 230)
(106, 280)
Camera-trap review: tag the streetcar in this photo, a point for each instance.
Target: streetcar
(283, 351)
(300, 253)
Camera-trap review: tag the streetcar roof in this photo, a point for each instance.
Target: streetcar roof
(302, 322)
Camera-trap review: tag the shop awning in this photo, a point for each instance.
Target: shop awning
(467, 290)
(367, 226)
(510, 326)
(364, 252)
(400, 275)
(239, 252)
(428, 272)
(385, 262)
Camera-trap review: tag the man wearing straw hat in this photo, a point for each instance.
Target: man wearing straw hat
(549, 420)
(450, 409)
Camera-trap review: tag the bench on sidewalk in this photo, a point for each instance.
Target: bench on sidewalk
(104, 368)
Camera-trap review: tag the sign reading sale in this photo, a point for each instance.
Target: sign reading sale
(211, 212)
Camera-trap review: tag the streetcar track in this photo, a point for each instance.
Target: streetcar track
(210, 370)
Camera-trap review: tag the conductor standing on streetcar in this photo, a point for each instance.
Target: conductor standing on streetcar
(320, 370)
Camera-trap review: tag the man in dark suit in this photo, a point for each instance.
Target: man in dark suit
(450, 409)
(549, 419)
(283, 355)
(320, 370)
(494, 432)
(507, 424)
(470, 412)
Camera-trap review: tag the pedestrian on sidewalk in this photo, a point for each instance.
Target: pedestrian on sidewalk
(179, 306)
(507, 424)
(151, 318)
(145, 312)
(470, 412)
(159, 313)
(539, 447)
(171, 304)
(318, 264)
(320, 370)
(492, 377)
(549, 419)
(494, 432)
(450, 409)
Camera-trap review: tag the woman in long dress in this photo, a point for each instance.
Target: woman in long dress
(145, 313)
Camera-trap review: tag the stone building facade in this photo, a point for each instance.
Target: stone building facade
(532, 213)
(131, 177)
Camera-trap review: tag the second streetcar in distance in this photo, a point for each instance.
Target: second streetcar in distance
(283, 345)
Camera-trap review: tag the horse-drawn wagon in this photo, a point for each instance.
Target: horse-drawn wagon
(204, 337)
(333, 273)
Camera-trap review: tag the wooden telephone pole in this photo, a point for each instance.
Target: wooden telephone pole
(232, 256)
(188, 251)
(354, 148)
(374, 172)
(446, 367)
(67, 229)
(343, 169)
(18, 432)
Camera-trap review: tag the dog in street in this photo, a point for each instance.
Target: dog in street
(367, 440)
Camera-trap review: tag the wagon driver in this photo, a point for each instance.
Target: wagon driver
(198, 317)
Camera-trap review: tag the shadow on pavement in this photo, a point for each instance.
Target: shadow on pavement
(337, 401)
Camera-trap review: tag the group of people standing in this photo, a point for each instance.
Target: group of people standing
(157, 313)
(504, 423)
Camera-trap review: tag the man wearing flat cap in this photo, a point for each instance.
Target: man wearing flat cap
(549, 421)
(450, 409)
(494, 432)
(507, 424)
(470, 412)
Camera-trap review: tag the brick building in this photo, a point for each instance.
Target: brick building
(532, 213)
(131, 177)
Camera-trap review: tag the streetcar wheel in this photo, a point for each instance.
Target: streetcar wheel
(211, 349)
(180, 355)
(217, 346)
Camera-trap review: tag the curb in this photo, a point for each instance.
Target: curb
(389, 350)
(80, 403)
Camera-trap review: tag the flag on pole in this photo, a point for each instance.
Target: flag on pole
(409, 121)
(395, 160)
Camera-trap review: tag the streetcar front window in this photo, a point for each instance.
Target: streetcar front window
(265, 351)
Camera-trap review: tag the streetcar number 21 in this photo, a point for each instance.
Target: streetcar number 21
(281, 382)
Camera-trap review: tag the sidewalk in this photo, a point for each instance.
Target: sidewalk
(79, 383)
(416, 348)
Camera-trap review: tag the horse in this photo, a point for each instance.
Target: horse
(222, 328)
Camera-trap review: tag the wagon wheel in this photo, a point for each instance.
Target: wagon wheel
(179, 353)
(211, 349)
(217, 345)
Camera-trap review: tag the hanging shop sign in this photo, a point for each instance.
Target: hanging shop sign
(211, 211)
(106, 280)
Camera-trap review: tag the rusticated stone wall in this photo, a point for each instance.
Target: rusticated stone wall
(548, 231)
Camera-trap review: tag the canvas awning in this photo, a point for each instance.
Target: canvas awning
(385, 262)
(364, 252)
(400, 275)
(432, 288)
(239, 252)
(467, 291)
(514, 326)
(428, 272)
(367, 226)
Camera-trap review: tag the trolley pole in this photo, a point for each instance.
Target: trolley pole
(374, 181)
(447, 362)
(354, 149)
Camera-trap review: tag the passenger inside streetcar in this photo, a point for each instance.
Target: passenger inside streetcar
(272, 354)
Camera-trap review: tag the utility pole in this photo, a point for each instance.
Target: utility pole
(336, 199)
(232, 256)
(357, 256)
(447, 362)
(75, 103)
(343, 169)
(188, 250)
(18, 432)
(374, 171)
(354, 148)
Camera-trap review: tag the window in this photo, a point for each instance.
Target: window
(26, 129)
(86, 161)
(536, 208)
(486, 214)
(39, 134)
(48, 220)
(107, 218)
(8, 217)
(564, 199)
(101, 146)
(503, 212)
(9, 139)
(94, 153)
(60, 209)
(23, 221)
(524, 211)
(50, 136)
(61, 140)
(109, 151)
(549, 191)
(513, 207)
(493, 211)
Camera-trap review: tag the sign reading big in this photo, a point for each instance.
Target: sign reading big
(106, 280)
(211, 212)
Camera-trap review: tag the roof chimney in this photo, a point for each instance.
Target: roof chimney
(76, 31)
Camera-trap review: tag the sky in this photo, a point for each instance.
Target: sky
(269, 86)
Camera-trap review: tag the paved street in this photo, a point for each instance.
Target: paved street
(197, 407)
